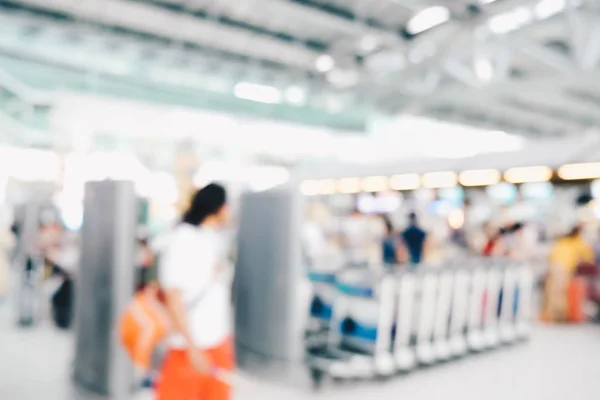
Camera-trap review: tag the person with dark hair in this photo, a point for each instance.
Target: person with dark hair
(198, 301)
(145, 264)
(415, 241)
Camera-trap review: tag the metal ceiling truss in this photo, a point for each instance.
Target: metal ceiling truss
(554, 93)
(519, 64)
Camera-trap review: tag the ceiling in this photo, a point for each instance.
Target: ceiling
(522, 66)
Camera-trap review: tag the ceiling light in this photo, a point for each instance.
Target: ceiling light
(579, 171)
(510, 21)
(343, 78)
(295, 95)
(484, 69)
(456, 219)
(479, 177)
(427, 19)
(309, 188)
(348, 185)
(327, 186)
(528, 174)
(375, 184)
(258, 93)
(369, 43)
(436, 180)
(548, 8)
(483, 2)
(405, 182)
(325, 63)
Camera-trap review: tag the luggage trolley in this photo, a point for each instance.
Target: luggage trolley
(524, 301)
(460, 308)
(443, 308)
(425, 350)
(404, 352)
(493, 288)
(358, 345)
(323, 294)
(475, 338)
(508, 304)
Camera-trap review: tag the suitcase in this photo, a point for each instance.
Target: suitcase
(576, 296)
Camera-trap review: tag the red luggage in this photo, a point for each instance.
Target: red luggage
(576, 297)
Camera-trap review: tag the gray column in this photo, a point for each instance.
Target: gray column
(271, 306)
(105, 285)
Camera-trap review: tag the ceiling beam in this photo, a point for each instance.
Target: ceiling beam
(478, 101)
(154, 20)
(545, 93)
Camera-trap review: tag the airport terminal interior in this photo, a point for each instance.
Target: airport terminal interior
(332, 199)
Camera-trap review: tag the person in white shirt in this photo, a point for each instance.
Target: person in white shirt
(197, 296)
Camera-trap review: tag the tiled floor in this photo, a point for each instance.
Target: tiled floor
(559, 363)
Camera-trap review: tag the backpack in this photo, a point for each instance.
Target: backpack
(144, 326)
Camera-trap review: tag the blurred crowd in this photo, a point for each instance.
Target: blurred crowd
(354, 239)
(565, 262)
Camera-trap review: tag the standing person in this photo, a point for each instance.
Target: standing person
(568, 252)
(493, 244)
(389, 244)
(145, 262)
(198, 301)
(415, 241)
(7, 242)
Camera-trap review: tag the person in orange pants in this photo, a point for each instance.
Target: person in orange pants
(181, 381)
(197, 295)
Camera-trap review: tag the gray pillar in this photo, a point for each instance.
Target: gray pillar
(104, 288)
(270, 304)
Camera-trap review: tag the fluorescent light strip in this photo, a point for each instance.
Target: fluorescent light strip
(548, 8)
(309, 188)
(295, 95)
(375, 184)
(571, 172)
(348, 185)
(427, 19)
(327, 186)
(510, 21)
(436, 180)
(258, 93)
(405, 182)
(528, 174)
(479, 177)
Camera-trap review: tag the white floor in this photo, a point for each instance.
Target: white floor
(559, 363)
